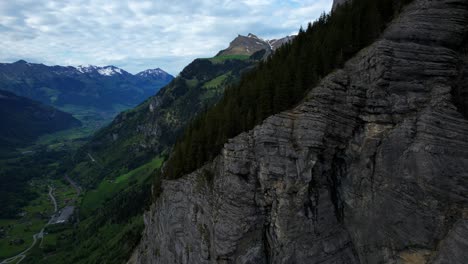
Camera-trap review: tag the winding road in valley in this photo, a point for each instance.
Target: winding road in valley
(18, 258)
(51, 195)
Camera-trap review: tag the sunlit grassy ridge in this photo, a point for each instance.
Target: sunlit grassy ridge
(108, 188)
(223, 58)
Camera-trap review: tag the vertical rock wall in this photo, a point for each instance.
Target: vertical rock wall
(372, 167)
(336, 3)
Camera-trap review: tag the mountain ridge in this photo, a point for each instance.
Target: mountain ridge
(24, 120)
(89, 68)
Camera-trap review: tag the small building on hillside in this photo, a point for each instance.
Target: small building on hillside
(64, 215)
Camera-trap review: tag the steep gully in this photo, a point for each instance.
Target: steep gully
(370, 168)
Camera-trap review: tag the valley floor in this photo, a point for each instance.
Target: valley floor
(19, 236)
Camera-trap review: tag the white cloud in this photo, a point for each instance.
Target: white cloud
(136, 35)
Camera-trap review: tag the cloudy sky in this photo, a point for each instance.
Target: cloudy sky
(137, 35)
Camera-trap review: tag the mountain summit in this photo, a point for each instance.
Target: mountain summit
(248, 45)
(154, 73)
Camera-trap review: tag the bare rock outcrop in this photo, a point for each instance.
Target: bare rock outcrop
(372, 167)
(336, 3)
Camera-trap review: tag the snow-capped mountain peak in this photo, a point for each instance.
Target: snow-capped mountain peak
(250, 35)
(152, 72)
(105, 71)
(109, 71)
(86, 68)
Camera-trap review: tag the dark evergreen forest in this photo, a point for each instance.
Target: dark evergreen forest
(282, 80)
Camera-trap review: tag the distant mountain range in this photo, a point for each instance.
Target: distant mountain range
(23, 120)
(79, 89)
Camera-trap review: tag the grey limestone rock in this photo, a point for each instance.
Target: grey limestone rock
(372, 167)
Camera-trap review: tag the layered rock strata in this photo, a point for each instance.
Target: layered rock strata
(372, 167)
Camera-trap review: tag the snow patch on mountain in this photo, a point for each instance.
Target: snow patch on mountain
(105, 71)
(109, 71)
(86, 68)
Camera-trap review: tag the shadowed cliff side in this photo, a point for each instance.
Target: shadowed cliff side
(370, 168)
(337, 3)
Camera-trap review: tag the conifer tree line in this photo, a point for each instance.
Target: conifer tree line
(281, 81)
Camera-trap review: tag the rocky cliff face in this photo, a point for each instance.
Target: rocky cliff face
(336, 3)
(371, 168)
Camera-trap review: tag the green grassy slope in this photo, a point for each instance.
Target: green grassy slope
(137, 135)
(110, 222)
